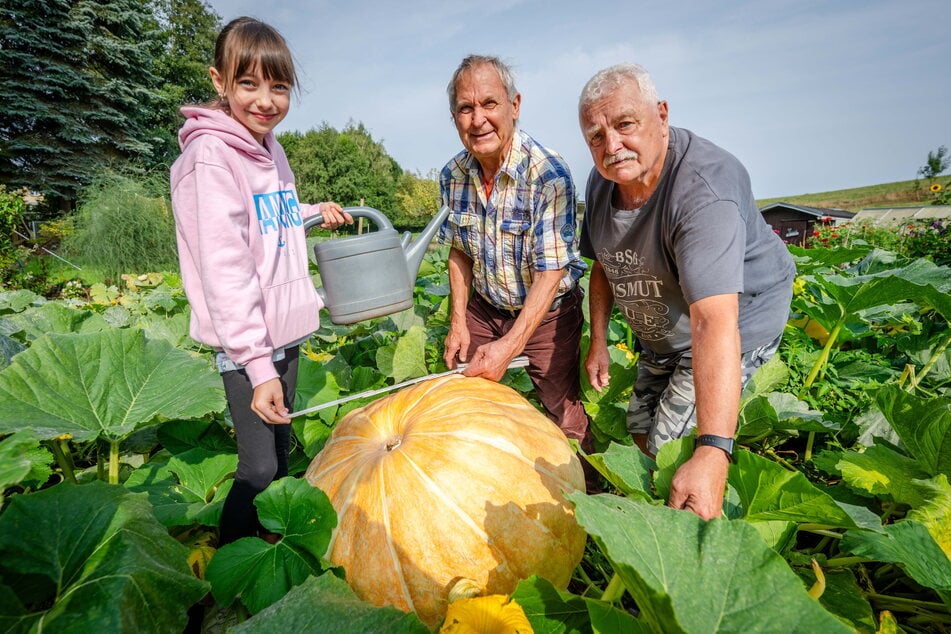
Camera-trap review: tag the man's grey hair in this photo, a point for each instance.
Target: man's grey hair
(607, 80)
(472, 61)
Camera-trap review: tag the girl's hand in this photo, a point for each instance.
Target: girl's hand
(268, 402)
(334, 215)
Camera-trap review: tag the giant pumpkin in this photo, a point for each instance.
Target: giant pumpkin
(452, 480)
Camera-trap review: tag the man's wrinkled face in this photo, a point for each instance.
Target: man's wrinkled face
(626, 135)
(483, 113)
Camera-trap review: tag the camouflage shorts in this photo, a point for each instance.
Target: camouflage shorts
(664, 402)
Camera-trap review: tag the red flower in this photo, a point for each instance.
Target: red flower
(815, 234)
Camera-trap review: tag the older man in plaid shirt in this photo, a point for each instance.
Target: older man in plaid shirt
(514, 264)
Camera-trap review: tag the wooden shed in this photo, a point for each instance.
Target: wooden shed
(794, 223)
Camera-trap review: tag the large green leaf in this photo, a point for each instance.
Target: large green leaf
(52, 317)
(327, 604)
(765, 413)
(23, 460)
(627, 468)
(908, 544)
(769, 492)
(837, 297)
(935, 512)
(189, 489)
(104, 385)
(406, 358)
(923, 424)
(883, 472)
(8, 349)
(92, 558)
(688, 575)
(261, 573)
(16, 301)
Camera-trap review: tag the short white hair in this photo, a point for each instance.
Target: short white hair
(607, 80)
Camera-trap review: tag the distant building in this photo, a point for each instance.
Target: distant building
(885, 215)
(794, 223)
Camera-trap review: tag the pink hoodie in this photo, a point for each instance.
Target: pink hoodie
(241, 242)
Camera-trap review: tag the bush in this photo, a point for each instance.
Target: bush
(124, 225)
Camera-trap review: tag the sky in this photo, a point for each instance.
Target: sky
(810, 95)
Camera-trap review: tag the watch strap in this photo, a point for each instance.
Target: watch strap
(720, 442)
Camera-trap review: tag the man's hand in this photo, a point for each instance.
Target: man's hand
(457, 344)
(268, 402)
(491, 360)
(596, 365)
(699, 483)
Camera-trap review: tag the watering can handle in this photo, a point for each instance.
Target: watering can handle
(381, 221)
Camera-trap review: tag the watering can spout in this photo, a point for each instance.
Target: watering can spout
(416, 251)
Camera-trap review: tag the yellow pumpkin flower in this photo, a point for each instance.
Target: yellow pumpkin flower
(494, 614)
(936, 188)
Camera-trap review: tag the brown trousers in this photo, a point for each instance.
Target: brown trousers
(553, 352)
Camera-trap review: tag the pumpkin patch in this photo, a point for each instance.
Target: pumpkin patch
(452, 480)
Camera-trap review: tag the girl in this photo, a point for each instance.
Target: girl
(243, 255)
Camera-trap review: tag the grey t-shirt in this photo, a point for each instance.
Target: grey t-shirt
(700, 234)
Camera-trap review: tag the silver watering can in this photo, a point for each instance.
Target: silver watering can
(372, 274)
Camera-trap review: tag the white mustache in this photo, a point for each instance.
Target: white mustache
(611, 159)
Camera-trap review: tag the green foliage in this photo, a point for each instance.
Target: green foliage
(918, 238)
(262, 573)
(872, 506)
(110, 567)
(91, 107)
(188, 29)
(123, 224)
(346, 167)
(418, 198)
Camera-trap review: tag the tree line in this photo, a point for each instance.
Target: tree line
(94, 86)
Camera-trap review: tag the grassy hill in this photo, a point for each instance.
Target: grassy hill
(900, 194)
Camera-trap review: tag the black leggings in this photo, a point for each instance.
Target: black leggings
(263, 449)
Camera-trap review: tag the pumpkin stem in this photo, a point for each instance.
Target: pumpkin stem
(464, 588)
(394, 443)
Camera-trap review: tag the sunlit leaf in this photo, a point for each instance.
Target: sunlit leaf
(883, 472)
(689, 575)
(770, 492)
(103, 385)
(923, 424)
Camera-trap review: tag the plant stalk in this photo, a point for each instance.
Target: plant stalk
(814, 372)
(62, 460)
(614, 590)
(936, 354)
(113, 462)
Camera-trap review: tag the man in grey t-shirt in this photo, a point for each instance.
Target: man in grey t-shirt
(680, 246)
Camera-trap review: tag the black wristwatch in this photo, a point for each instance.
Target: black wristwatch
(720, 442)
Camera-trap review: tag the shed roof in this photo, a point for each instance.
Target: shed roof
(818, 212)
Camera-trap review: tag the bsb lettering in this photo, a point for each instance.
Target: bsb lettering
(277, 210)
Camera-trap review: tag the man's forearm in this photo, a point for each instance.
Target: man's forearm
(600, 305)
(460, 283)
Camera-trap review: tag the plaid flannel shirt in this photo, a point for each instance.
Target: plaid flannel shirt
(528, 224)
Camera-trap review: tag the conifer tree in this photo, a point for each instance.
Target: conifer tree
(76, 91)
